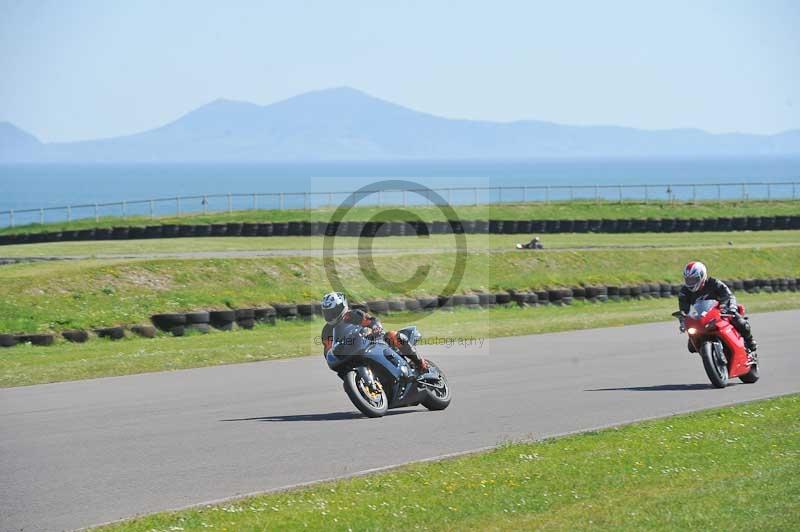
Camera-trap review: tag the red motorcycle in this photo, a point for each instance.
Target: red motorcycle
(718, 343)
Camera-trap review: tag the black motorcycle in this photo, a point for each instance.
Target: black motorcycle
(377, 378)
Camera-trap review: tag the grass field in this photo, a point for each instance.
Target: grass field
(582, 210)
(434, 242)
(734, 468)
(60, 295)
(26, 364)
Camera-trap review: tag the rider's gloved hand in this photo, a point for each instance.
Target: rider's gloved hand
(377, 330)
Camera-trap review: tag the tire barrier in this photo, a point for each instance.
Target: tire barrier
(75, 336)
(285, 311)
(395, 228)
(305, 311)
(112, 333)
(221, 319)
(178, 323)
(145, 331)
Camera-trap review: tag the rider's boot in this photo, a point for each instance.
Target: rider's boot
(410, 352)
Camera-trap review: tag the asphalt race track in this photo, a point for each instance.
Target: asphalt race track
(81, 453)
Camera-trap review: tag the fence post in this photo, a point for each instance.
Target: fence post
(524, 194)
(69, 214)
(11, 217)
(744, 193)
(646, 194)
(254, 201)
(793, 186)
(306, 200)
(694, 193)
(280, 197)
(719, 194)
(475, 191)
(547, 194)
(769, 191)
(597, 194)
(330, 198)
(571, 193)
(205, 205)
(620, 193)
(96, 217)
(230, 203)
(41, 216)
(151, 209)
(178, 205)
(499, 194)
(124, 209)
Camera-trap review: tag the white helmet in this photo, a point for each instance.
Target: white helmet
(695, 275)
(334, 305)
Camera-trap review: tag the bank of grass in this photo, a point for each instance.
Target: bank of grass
(733, 468)
(580, 210)
(27, 364)
(222, 245)
(61, 295)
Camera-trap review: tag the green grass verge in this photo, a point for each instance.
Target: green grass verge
(26, 364)
(581, 210)
(438, 242)
(734, 468)
(68, 294)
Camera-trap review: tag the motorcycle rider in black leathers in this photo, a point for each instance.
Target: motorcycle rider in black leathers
(698, 285)
(336, 310)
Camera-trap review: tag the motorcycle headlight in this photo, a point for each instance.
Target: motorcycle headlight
(691, 330)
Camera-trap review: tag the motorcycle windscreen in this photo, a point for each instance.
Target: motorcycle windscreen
(701, 307)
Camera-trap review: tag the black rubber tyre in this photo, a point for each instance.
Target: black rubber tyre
(579, 292)
(396, 305)
(244, 314)
(519, 298)
(197, 317)
(459, 300)
(8, 340)
(544, 297)
(372, 406)
(35, 339)
(554, 226)
(668, 225)
(169, 231)
(437, 399)
(305, 311)
(202, 230)
(120, 233)
(379, 306)
(137, 232)
(222, 319)
(444, 303)
(594, 225)
(178, 330)
(412, 305)
(202, 328)
(265, 315)
(166, 322)
(751, 376)
(112, 333)
(481, 227)
(249, 229)
(246, 323)
(472, 301)
(502, 298)
(219, 229)
(145, 331)
(76, 336)
(285, 311)
(717, 372)
(579, 226)
(186, 230)
(487, 300)
(428, 303)
(265, 229)
(554, 296)
(234, 229)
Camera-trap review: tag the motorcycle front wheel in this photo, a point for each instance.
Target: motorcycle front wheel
(714, 364)
(751, 376)
(371, 403)
(438, 398)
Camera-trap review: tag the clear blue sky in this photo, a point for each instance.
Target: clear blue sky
(73, 70)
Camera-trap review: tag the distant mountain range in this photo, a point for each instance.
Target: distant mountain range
(346, 124)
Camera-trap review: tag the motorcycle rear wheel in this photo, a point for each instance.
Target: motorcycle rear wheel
(716, 371)
(371, 405)
(437, 399)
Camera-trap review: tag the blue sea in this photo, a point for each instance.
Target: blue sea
(38, 186)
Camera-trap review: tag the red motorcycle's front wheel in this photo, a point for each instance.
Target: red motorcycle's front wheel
(751, 376)
(715, 364)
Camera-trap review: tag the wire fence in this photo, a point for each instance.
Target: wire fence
(485, 195)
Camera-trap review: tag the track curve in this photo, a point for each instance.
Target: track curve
(80, 453)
